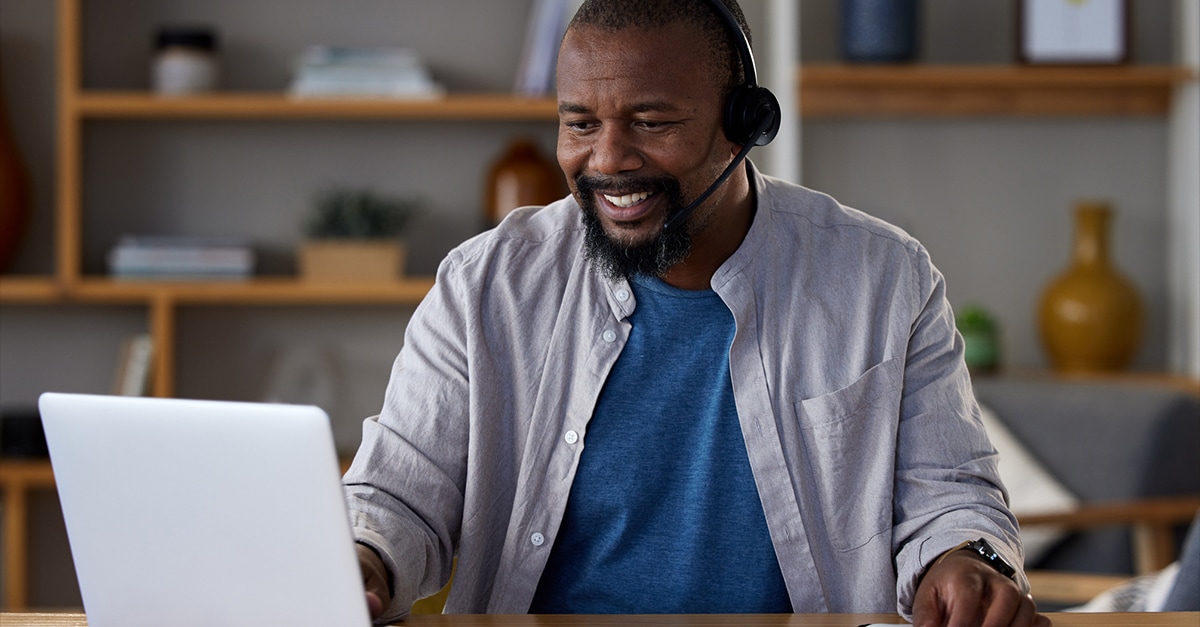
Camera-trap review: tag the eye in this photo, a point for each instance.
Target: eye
(653, 125)
(579, 126)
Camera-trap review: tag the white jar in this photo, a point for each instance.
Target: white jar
(185, 61)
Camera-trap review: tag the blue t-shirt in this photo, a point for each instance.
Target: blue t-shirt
(663, 515)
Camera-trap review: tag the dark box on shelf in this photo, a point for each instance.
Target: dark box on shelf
(21, 434)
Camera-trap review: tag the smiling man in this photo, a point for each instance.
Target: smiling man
(679, 392)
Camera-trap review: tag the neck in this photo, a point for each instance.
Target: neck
(720, 238)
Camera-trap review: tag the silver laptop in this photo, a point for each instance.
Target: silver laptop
(183, 512)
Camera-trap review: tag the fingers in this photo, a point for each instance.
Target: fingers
(1026, 613)
(927, 611)
(375, 580)
(1007, 606)
(968, 601)
(374, 605)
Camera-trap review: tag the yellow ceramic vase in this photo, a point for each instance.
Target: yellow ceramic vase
(1090, 316)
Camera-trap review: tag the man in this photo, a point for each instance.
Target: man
(765, 410)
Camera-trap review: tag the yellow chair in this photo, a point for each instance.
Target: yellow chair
(435, 603)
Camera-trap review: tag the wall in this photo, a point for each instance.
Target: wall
(989, 197)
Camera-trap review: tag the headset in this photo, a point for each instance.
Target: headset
(751, 116)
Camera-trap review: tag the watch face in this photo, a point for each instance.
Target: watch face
(989, 555)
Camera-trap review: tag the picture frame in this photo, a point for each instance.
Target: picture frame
(1073, 32)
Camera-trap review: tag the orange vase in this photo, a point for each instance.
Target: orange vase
(14, 192)
(1090, 316)
(520, 177)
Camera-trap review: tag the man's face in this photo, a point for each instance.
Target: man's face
(639, 135)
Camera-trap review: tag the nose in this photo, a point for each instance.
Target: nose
(615, 151)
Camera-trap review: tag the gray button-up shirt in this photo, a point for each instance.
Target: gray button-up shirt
(855, 405)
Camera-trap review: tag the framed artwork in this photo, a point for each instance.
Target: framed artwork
(1073, 31)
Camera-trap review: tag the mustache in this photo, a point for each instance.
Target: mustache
(588, 184)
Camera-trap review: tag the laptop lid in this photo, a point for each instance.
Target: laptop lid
(185, 512)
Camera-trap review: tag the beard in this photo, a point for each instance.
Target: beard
(617, 259)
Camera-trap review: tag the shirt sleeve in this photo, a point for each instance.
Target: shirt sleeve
(405, 486)
(948, 488)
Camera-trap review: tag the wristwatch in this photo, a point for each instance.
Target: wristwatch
(989, 555)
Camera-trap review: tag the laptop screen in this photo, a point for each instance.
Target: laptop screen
(185, 512)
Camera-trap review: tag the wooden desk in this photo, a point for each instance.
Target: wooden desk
(1184, 619)
(1188, 619)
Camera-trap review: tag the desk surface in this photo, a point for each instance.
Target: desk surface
(1188, 619)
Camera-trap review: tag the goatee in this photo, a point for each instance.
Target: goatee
(619, 260)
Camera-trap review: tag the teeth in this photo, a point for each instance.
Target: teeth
(628, 200)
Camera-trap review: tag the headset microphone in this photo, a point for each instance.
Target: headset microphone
(677, 218)
(751, 118)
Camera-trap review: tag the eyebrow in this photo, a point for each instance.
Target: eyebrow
(568, 107)
(642, 107)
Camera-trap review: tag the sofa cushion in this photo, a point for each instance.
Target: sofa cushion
(1031, 488)
(1105, 441)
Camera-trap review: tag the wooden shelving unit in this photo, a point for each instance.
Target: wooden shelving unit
(78, 107)
(69, 285)
(245, 105)
(17, 480)
(851, 91)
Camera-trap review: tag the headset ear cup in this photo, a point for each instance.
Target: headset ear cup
(750, 108)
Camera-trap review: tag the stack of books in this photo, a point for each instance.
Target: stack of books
(380, 72)
(171, 257)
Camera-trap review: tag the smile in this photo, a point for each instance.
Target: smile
(628, 200)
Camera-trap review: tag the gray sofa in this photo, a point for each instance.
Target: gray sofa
(1105, 441)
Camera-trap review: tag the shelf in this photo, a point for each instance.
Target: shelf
(257, 291)
(254, 105)
(1178, 382)
(857, 91)
(32, 473)
(31, 290)
(264, 291)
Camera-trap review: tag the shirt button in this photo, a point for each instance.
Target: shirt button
(609, 336)
(537, 539)
(622, 294)
(571, 437)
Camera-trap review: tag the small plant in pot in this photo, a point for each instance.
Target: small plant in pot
(355, 235)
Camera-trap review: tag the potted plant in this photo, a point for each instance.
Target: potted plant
(355, 235)
(980, 338)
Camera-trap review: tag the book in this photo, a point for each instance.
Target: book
(134, 366)
(348, 71)
(385, 57)
(181, 257)
(378, 87)
(547, 23)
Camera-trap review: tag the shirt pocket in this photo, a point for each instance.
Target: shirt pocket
(849, 439)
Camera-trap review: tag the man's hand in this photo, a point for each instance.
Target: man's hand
(963, 591)
(375, 581)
